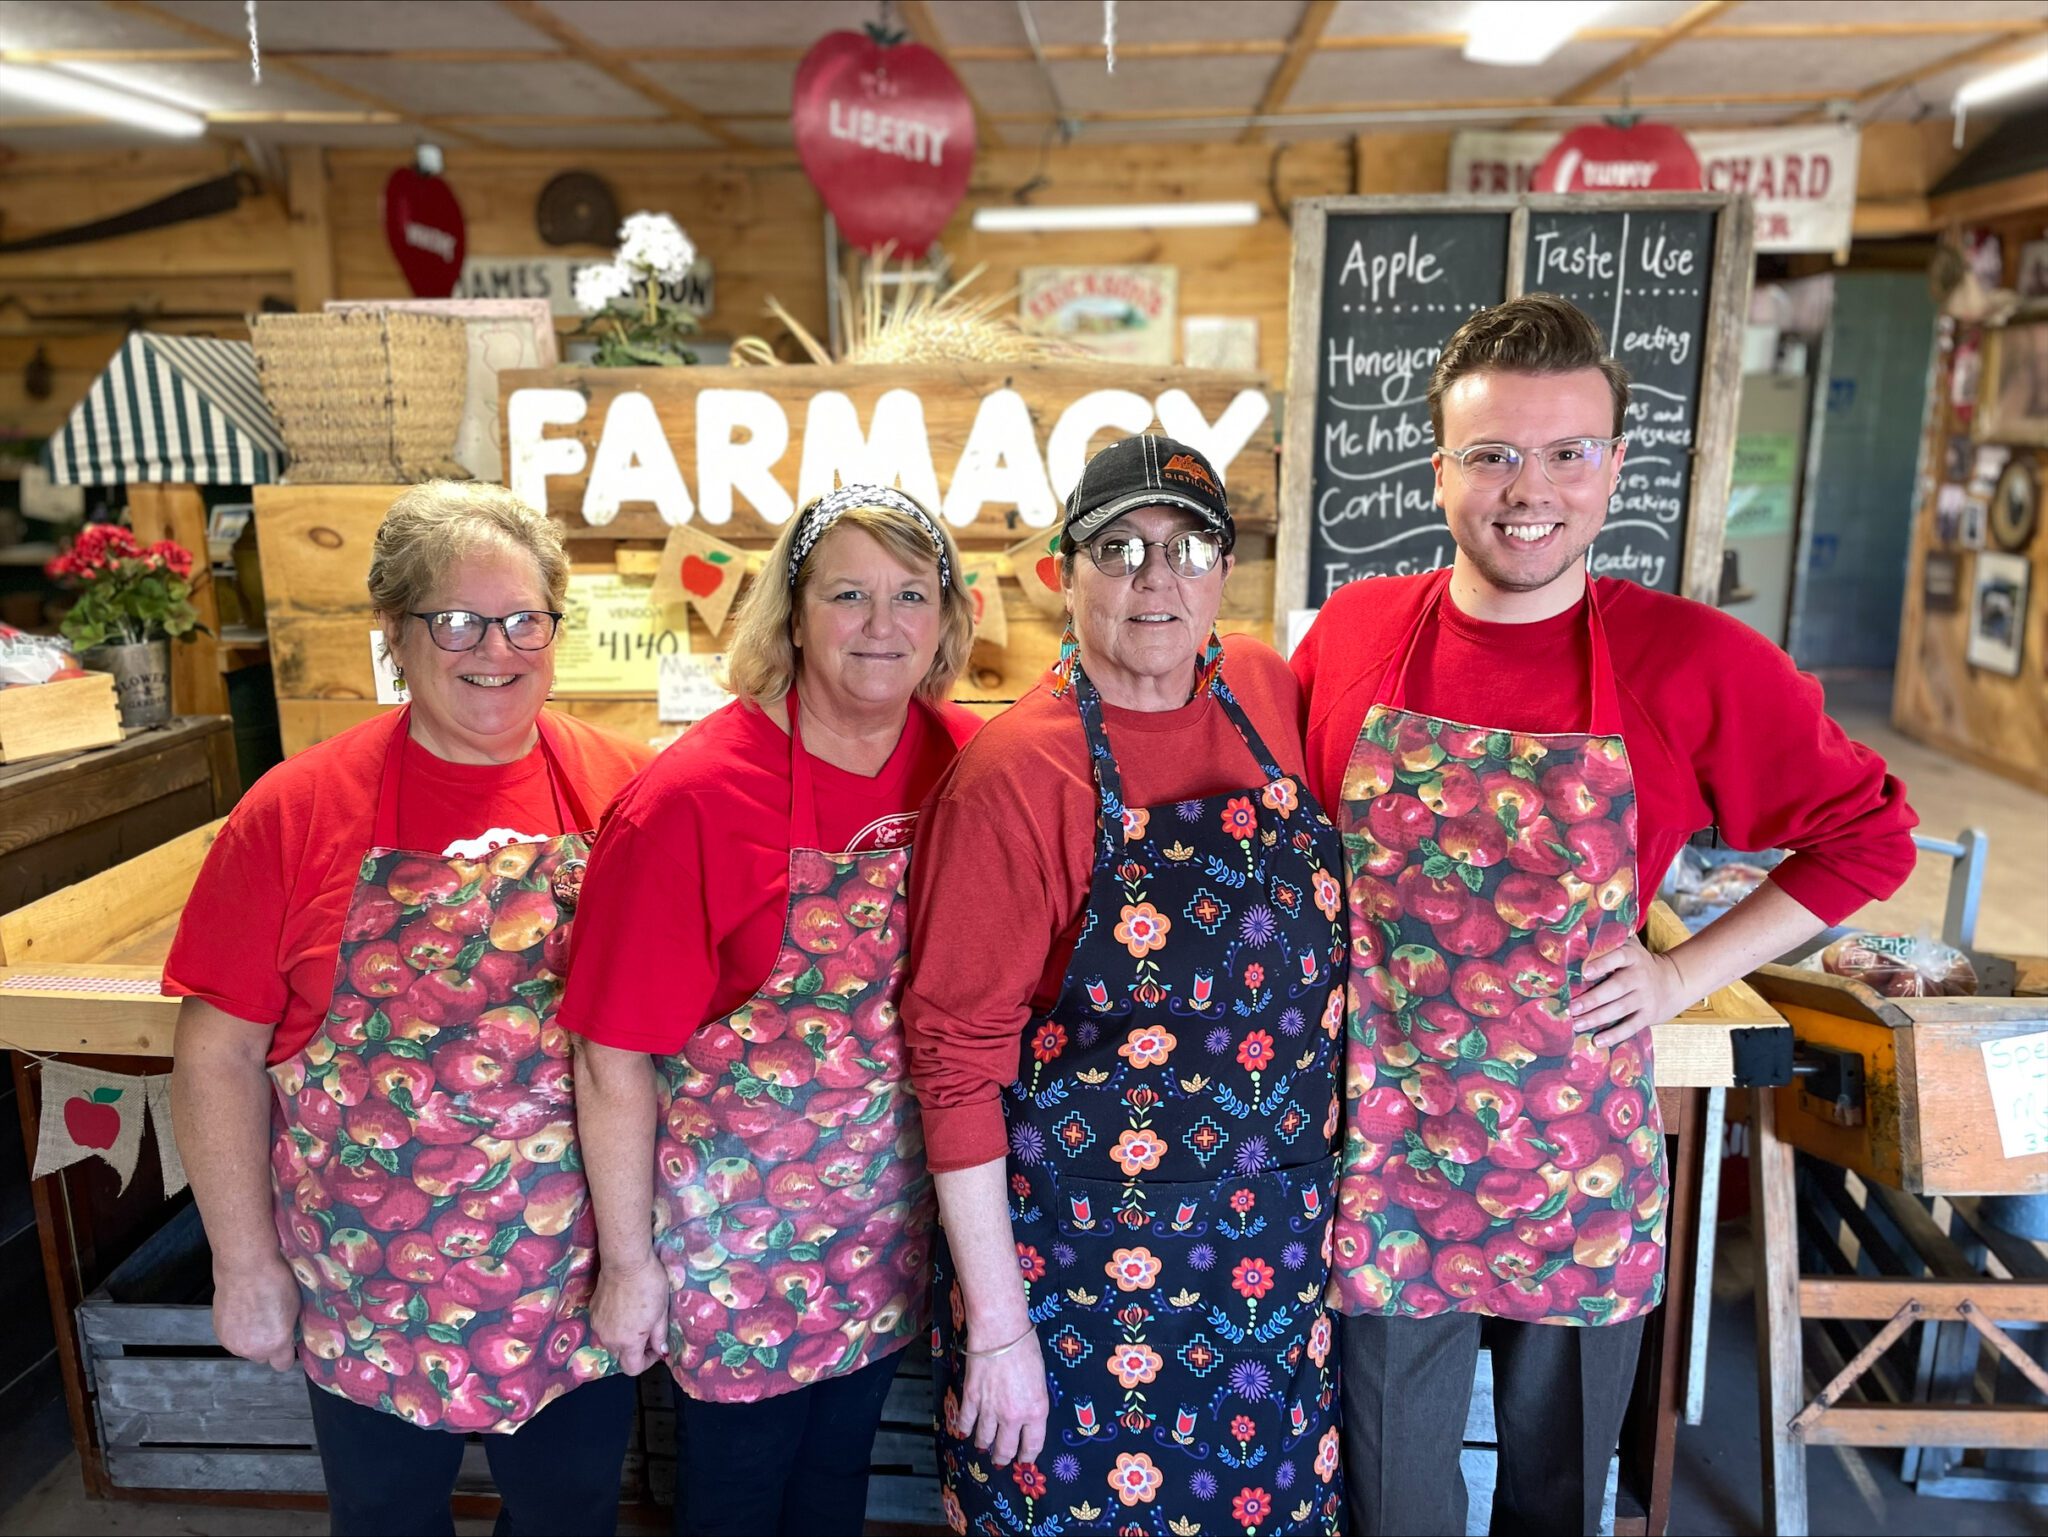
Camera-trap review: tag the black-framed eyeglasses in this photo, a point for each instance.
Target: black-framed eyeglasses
(1566, 462)
(460, 629)
(1193, 553)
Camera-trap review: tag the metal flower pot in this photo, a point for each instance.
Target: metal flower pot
(142, 680)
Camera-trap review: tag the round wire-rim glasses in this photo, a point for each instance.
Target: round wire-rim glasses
(1191, 553)
(1565, 462)
(462, 629)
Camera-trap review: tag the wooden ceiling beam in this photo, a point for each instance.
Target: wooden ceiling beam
(917, 20)
(1764, 99)
(1315, 20)
(1991, 50)
(1643, 52)
(202, 33)
(616, 65)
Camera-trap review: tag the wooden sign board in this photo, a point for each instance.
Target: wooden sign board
(628, 453)
(1379, 286)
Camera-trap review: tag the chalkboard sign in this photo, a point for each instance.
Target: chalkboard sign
(1643, 277)
(1380, 284)
(1393, 292)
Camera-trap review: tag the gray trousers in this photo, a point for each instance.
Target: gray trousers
(1559, 1393)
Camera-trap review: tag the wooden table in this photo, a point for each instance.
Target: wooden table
(64, 820)
(70, 815)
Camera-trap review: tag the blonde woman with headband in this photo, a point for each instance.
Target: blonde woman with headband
(372, 1097)
(741, 1061)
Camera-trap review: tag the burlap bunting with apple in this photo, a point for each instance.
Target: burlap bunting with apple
(1035, 563)
(701, 570)
(981, 581)
(91, 1114)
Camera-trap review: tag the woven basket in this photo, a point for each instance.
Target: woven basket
(365, 398)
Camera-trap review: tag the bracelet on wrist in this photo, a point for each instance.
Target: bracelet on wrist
(983, 1355)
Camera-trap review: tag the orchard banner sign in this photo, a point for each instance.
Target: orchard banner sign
(1802, 179)
(629, 453)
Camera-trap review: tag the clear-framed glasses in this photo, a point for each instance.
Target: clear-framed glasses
(458, 629)
(1567, 462)
(1193, 553)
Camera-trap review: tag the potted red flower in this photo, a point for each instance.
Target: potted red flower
(131, 601)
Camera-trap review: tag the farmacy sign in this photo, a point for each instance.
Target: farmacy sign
(627, 452)
(1803, 180)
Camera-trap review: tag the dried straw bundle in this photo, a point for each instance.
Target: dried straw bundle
(917, 324)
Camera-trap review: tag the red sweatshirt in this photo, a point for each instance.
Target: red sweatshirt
(1722, 730)
(1005, 857)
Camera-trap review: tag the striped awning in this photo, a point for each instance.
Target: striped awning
(171, 408)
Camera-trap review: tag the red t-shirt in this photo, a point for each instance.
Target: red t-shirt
(262, 928)
(1006, 856)
(681, 913)
(1722, 730)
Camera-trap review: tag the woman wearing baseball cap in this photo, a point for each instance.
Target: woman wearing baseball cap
(1127, 967)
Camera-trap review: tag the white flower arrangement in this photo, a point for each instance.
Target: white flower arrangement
(634, 326)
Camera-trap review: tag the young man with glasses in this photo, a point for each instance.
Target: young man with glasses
(1515, 751)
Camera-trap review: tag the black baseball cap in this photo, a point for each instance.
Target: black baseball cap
(1146, 471)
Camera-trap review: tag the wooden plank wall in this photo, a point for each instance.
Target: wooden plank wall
(1995, 722)
(750, 211)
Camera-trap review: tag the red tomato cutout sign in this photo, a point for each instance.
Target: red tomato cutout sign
(886, 135)
(423, 222)
(1598, 157)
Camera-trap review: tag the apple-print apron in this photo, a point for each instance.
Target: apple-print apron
(1170, 1178)
(1496, 1161)
(794, 1210)
(429, 1195)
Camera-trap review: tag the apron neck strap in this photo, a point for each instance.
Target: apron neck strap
(803, 805)
(1109, 783)
(571, 814)
(1606, 694)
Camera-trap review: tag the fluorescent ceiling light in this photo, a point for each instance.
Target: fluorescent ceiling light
(68, 93)
(1525, 31)
(1116, 216)
(2009, 81)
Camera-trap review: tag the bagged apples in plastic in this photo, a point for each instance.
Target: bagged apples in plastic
(1902, 965)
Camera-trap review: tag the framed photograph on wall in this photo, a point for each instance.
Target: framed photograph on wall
(1998, 612)
(2012, 403)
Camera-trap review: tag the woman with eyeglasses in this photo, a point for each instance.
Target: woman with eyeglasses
(1127, 969)
(371, 962)
(764, 1214)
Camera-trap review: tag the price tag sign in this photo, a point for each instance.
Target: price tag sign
(689, 688)
(613, 636)
(2017, 1068)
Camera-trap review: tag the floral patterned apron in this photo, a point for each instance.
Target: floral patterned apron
(428, 1191)
(793, 1208)
(1171, 1178)
(1496, 1161)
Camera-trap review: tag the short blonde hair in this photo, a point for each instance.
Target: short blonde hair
(761, 658)
(431, 527)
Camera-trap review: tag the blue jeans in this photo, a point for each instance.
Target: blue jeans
(387, 1477)
(788, 1466)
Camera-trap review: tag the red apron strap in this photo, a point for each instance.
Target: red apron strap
(576, 817)
(1393, 685)
(1606, 691)
(384, 830)
(803, 806)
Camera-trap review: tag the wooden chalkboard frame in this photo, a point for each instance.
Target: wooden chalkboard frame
(1713, 448)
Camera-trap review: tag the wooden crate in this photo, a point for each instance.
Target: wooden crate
(69, 715)
(1926, 1123)
(175, 1411)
